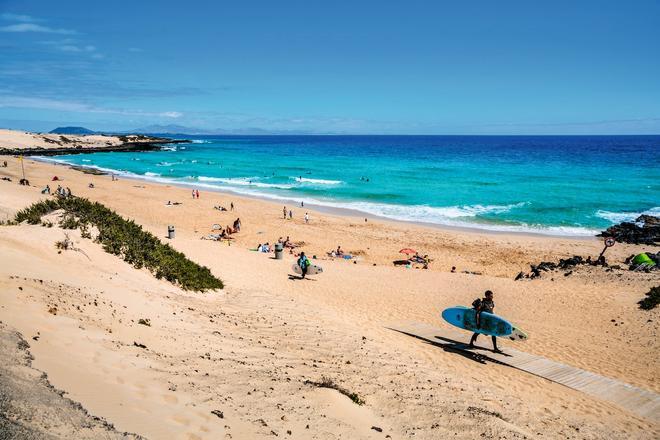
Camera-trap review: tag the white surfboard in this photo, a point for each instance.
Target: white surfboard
(311, 270)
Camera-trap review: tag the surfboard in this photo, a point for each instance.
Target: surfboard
(311, 270)
(493, 325)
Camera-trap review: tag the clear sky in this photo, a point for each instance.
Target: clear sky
(409, 67)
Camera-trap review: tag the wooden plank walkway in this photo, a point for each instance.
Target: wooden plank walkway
(641, 402)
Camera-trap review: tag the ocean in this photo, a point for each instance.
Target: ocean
(557, 185)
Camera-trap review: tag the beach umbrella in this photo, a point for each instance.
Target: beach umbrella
(408, 251)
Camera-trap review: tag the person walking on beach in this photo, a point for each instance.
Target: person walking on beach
(484, 305)
(231, 206)
(306, 218)
(193, 194)
(197, 193)
(284, 212)
(303, 263)
(290, 214)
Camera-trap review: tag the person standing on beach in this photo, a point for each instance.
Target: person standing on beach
(290, 214)
(284, 212)
(306, 218)
(303, 263)
(193, 193)
(231, 206)
(197, 193)
(485, 305)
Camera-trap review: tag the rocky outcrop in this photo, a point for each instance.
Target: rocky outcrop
(645, 230)
(148, 144)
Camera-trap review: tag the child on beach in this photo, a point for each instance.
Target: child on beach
(306, 218)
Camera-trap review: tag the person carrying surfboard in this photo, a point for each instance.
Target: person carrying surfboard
(484, 305)
(303, 263)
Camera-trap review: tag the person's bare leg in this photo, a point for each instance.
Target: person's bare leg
(495, 349)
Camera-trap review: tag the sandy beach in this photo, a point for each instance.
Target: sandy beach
(17, 142)
(238, 362)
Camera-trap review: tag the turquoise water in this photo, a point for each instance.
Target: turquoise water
(567, 185)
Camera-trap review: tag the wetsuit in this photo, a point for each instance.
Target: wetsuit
(485, 306)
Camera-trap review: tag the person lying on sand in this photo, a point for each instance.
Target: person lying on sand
(484, 305)
(220, 208)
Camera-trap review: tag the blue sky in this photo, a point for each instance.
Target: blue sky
(433, 67)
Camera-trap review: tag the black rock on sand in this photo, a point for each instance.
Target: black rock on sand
(645, 230)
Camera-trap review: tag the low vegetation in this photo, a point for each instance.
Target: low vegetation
(126, 239)
(327, 382)
(652, 299)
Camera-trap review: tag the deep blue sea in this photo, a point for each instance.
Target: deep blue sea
(567, 185)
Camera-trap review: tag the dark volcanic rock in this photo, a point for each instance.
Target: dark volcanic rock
(566, 264)
(645, 230)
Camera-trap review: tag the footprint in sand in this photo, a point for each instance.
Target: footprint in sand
(170, 398)
(181, 420)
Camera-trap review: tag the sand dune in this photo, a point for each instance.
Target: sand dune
(237, 363)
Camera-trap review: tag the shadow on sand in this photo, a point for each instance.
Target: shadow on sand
(457, 347)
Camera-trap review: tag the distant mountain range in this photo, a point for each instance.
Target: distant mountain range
(180, 129)
(173, 129)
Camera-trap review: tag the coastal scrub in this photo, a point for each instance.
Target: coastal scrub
(126, 239)
(651, 300)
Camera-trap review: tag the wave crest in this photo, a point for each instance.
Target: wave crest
(317, 181)
(618, 217)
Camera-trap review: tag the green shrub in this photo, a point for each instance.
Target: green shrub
(652, 299)
(327, 382)
(126, 239)
(32, 214)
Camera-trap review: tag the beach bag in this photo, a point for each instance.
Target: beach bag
(476, 304)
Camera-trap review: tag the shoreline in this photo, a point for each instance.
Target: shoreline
(344, 212)
(162, 362)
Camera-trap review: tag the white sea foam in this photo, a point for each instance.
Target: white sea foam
(244, 181)
(150, 174)
(199, 141)
(618, 217)
(317, 181)
(457, 216)
(86, 160)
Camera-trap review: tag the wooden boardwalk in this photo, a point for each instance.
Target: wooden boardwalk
(641, 402)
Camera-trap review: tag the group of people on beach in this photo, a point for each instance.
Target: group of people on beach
(59, 192)
(195, 194)
(289, 212)
(286, 244)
